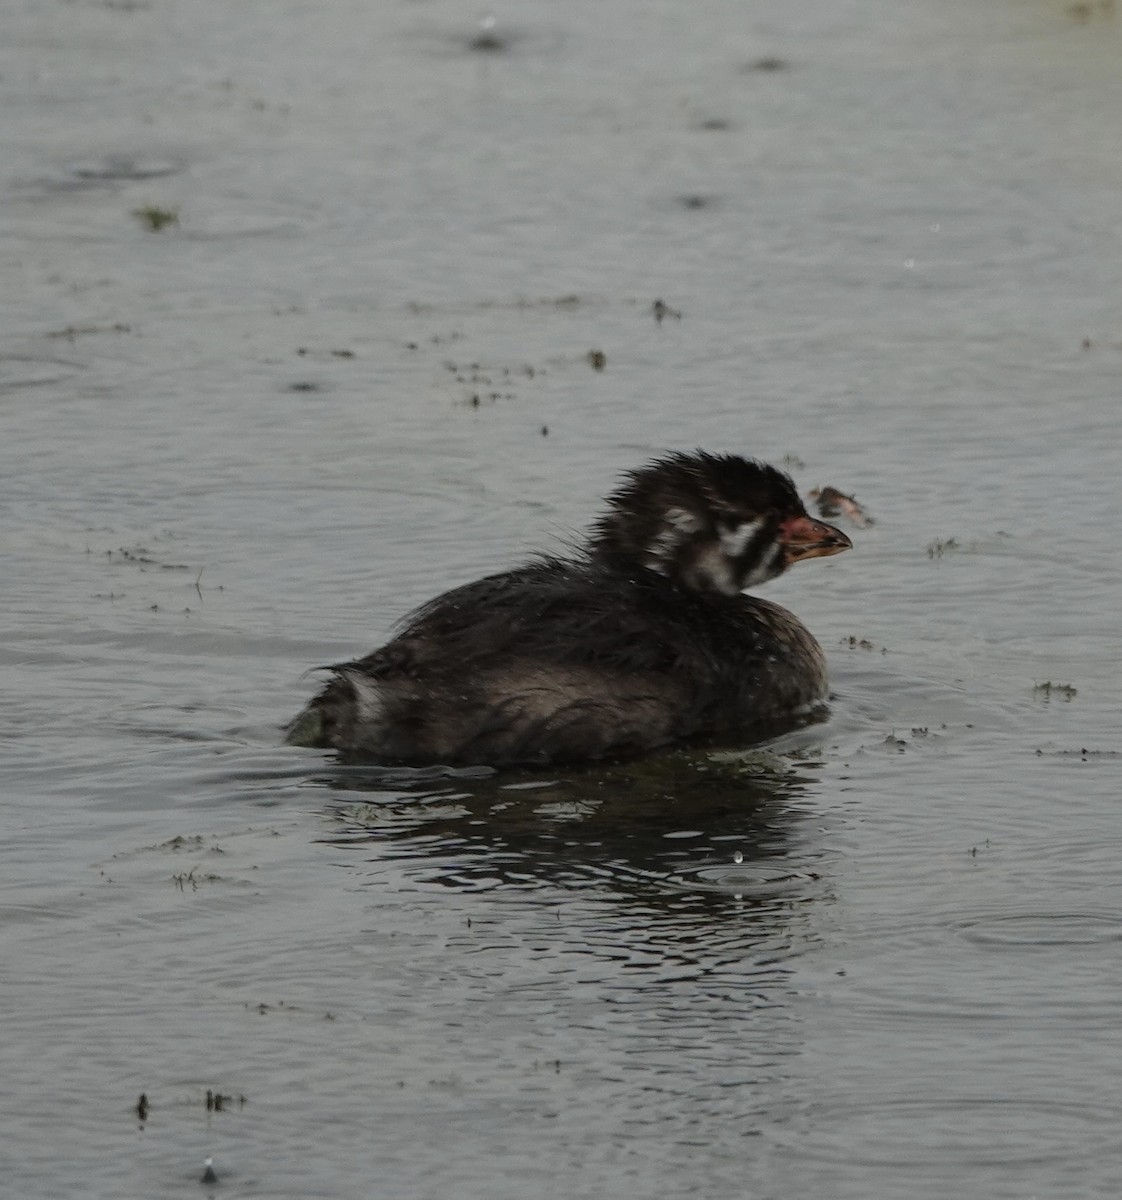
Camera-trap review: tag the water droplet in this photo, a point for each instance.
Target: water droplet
(738, 857)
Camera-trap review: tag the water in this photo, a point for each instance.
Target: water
(880, 959)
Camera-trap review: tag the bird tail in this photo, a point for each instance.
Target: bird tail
(328, 720)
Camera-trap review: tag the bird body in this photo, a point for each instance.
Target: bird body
(640, 639)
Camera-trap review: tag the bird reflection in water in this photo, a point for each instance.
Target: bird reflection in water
(681, 828)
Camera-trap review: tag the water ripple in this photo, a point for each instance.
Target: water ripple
(1042, 930)
(969, 1131)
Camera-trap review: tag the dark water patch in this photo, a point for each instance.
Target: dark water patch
(493, 38)
(714, 125)
(19, 372)
(414, 782)
(768, 64)
(489, 38)
(89, 174)
(117, 168)
(73, 332)
(1048, 690)
(1083, 754)
(323, 355)
(154, 217)
(661, 310)
(697, 201)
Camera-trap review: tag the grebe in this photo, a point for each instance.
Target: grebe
(639, 639)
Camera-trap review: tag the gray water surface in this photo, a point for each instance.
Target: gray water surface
(878, 959)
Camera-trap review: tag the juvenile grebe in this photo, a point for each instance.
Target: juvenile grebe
(640, 639)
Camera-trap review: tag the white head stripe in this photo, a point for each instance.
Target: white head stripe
(678, 524)
(765, 568)
(713, 567)
(734, 541)
(684, 520)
